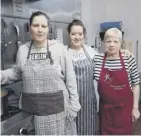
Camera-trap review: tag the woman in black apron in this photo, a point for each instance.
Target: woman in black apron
(49, 82)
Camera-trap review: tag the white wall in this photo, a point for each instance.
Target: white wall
(94, 12)
(92, 16)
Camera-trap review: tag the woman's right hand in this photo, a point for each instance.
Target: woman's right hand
(135, 114)
(71, 115)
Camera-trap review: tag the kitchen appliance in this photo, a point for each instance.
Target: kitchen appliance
(17, 123)
(13, 120)
(4, 101)
(4, 40)
(18, 42)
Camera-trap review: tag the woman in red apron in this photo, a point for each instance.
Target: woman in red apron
(118, 86)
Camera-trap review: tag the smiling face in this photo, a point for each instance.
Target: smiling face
(39, 28)
(76, 36)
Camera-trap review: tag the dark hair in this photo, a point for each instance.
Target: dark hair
(77, 23)
(38, 13)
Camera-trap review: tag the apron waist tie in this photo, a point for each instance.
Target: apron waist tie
(43, 104)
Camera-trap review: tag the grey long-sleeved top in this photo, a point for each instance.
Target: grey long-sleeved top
(62, 57)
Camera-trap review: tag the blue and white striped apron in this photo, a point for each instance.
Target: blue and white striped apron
(86, 120)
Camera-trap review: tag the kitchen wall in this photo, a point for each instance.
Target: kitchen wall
(61, 12)
(94, 12)
(58, 10)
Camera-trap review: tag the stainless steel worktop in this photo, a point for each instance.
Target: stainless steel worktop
(12, 125)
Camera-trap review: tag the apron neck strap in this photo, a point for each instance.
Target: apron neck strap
(29, 49)
(49, 54)
(105, 55)
(87, 54)
(121, 60)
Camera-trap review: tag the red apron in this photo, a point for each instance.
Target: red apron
(116, 101)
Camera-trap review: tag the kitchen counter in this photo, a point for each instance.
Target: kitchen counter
(12, 125)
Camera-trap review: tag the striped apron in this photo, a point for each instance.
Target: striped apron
(86, 120)
(40, 77)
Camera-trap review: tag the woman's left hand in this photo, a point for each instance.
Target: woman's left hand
(135, 114)
(126, 53)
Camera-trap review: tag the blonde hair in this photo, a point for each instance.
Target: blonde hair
(113, 32)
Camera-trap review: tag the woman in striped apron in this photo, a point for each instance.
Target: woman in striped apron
(49, 82)
(82, 61)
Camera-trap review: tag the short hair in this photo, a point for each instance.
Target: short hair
(113, 32)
